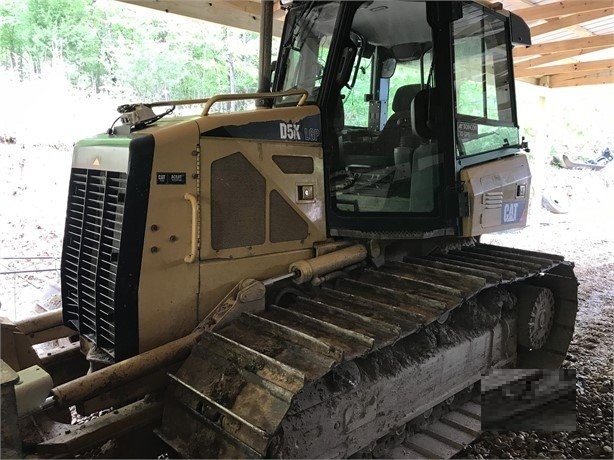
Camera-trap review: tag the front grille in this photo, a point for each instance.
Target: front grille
(95, 214)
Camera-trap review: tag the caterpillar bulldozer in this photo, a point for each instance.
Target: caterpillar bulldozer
(304, 279)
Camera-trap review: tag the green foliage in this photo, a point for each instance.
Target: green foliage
(107, 47)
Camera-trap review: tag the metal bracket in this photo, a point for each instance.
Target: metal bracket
(246, 297)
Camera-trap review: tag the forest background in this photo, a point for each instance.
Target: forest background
(80, 59)
(125, 52)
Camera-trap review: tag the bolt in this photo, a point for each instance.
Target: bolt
(154, 228)
(154, 249)
(195, 176)
(173, 238)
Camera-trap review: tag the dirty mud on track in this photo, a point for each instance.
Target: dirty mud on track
(276, 382)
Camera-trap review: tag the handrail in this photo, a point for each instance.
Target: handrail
(191, 257)
(177, 102)
(241, 97)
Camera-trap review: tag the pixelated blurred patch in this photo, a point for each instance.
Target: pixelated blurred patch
(529, 400)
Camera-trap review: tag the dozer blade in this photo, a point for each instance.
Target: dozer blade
(329, 371)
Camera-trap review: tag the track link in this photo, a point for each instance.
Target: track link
(231, 395)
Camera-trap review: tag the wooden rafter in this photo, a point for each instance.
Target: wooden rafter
(235, 13)
(252, 8)
(558, 9)
(278, 12)
(572, 44)
(603, 64)
(568, 21)
(572, 76)
(548, 58)
(563, 15)
(592, 79)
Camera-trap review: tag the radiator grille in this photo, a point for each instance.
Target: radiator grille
(93, 232)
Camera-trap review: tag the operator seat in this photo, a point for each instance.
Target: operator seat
(399, 124)
(426, 159)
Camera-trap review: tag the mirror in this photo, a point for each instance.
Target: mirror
(347, 61)
(388, 67)
(272, 71)
(424, 114)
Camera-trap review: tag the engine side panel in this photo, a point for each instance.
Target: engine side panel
(168, 288)
(262, 183)
(498, 195)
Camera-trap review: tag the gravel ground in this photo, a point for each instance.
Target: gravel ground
(584, 235)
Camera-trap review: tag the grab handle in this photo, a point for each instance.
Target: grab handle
(240, 97)
(191, 257)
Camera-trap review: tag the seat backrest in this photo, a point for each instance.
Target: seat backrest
(399, 123)
(403, 97)
(339, 116)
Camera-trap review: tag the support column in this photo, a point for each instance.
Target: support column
(264, 60)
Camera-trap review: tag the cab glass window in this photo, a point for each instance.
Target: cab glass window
(381, 165)
(306, 48)
(484, 115)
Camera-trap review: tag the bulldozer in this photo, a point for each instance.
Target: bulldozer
(305, 278)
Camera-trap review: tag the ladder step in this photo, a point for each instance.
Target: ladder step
(429, 446)
(462, 422)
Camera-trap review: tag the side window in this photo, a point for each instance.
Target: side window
(354, 104)
(483, 100)
(307, 49)
(410, 73)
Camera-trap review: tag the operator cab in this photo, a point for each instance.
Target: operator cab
(379, 71)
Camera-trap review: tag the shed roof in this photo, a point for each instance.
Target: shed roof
(573, 40)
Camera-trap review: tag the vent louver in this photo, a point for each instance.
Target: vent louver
(93, 232)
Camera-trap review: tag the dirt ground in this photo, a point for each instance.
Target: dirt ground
(32, 209)
(584, 235)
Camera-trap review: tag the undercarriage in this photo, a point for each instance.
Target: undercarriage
(329, 371)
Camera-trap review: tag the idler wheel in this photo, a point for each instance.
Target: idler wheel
(535, 316)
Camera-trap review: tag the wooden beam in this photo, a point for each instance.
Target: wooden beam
(566, 45)
(529, 80)
(603, 64)
(571, 76)
(557, 9)
(595, 79)
(278, 11)
(567, 21)
(548, 58)
(242, 15)
(252, 8)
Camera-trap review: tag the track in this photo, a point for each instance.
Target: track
(327, 372)
(443, 437)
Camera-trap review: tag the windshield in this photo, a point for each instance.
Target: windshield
(484, 119)
(306, 48)
(381, 166)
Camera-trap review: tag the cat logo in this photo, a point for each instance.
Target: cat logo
(96, 162)
(510, 213)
